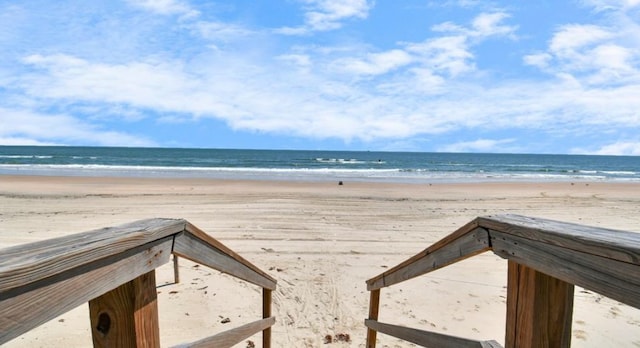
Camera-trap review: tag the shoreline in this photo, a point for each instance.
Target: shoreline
(321, 241)
(324, 180)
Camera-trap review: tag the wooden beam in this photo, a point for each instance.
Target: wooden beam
(26, 264)
(615, 279)
(427, 338)
(266, 313)
(469, 241)
(203, 249)
(198, 233)
(30, 306)
(618, 245)
(374, 307)
(539, 309)
(127, 316)
(176, 270)
(234, 336)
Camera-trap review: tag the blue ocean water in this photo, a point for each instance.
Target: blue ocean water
(314, 165)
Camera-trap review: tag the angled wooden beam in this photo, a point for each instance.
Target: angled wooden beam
(427, 338)
(234, 336)
(197, 246)
(468, 241)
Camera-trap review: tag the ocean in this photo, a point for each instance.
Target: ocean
(301, 165)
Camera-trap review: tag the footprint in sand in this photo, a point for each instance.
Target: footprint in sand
(579, 334)
(614, 311)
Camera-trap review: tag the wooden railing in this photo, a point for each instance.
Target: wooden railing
(114, 270)
(545, 260)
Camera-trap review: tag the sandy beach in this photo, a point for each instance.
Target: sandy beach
(321, 241)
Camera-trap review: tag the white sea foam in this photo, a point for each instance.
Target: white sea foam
(310, 174)
(26, 156)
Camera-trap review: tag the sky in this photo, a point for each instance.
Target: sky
(513, 76)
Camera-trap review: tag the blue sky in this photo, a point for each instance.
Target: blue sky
(454, 76)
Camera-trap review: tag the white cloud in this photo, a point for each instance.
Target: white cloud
(309, 103)
(325, 15)
(444, 55)
(166, 7)
(25, 127)
(457, 3)
(479, 145)
(300, 60)
(328, 14)
(604, 5)
(490, 24)
(594, 54)
(448, 54)
(451, 54)
(375, 63)
(139, 84)
(540, 60)
(220, 31)
(298, 87)
(19, 141)
(484, 25)
(571, 37)
(622, 148)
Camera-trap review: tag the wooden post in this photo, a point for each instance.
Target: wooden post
(127, 316)
(176, 272)
(374, 306)
(266, 313)
(539, 309)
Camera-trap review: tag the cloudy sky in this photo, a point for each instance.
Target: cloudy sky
(548, 76)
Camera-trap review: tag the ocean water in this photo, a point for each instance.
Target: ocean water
(301, 165)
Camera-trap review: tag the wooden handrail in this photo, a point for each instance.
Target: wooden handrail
(546, 259)
(41, 280)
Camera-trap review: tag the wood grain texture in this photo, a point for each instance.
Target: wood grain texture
(539, 309)
(21, 311)
(374, 308)
(127, 316)
(615, 279)
(29, 263)
(446, 240)
(424, 338)
(204, 251)
(613, 244)
(234, 336)
(472, 242)
(196, 232)
(176, 270)
(266, 313)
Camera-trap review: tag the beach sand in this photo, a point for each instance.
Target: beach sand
(321, 241)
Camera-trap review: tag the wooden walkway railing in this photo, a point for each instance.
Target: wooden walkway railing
(545, 260)
(114, 270)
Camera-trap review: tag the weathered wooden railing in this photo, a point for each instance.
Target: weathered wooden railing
(114, 270)
(545, 260)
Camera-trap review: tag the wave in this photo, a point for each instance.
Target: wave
(347, 161)
(619, 172)
(26, 156)
(311, 174)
